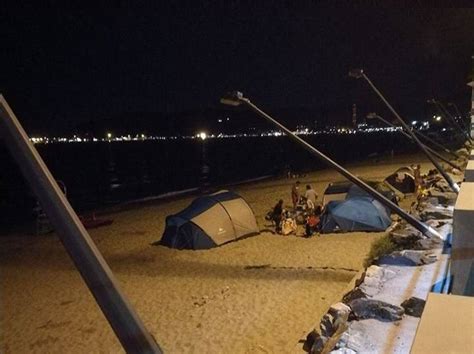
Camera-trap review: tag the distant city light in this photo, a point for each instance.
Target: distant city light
(438, 118)
(251, 133)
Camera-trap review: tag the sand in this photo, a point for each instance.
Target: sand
(257, 295)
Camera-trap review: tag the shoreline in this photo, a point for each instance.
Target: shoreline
(195, 191)
(26, 223)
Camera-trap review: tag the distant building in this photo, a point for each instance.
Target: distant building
(471, 83)
(354, 116)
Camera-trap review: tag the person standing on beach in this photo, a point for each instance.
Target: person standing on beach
(311, 197)
(295, 194)
(277, 215)
(418, 179)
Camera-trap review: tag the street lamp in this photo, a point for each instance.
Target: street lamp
(236, 99)
(464, 122)
(359, 74)
(453, 121)
(202, 136)
(85, 255)
(374, 115)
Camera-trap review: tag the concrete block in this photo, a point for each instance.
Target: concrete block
(446, 326)
(462, 254)
(469, 172)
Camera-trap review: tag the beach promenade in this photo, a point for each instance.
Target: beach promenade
(260, 294)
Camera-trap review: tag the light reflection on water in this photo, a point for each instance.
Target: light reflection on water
(98, 174)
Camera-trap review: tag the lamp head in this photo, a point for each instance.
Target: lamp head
(372, 115)
(233, 98)
(356, 73)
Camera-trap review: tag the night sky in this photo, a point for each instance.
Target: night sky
(62, 65)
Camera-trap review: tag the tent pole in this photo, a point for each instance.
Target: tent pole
(123, 319)
(434, 152)
(236, 98)
(359, 73)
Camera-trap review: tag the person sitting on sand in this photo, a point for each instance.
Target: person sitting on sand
(288, 226)
(295, 194)
(277, 215)
(311, 224)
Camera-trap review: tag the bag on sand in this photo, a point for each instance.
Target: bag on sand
(288, 226)
(312, 221)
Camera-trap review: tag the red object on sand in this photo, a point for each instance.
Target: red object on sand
(92, 223)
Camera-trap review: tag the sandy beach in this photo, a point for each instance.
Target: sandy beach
(257, 295)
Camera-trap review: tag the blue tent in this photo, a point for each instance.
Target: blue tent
(210, 221)
(347, 190)
(359, 213)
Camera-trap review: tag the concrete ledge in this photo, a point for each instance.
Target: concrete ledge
(446, 326)
(469, 172)
(462, 254)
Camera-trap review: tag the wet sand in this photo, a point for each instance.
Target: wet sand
(260, 294)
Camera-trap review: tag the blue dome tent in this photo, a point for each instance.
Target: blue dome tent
(359, 213)
(210, 221)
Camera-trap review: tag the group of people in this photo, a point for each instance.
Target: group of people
(310, 196)
(309, 203)
(307, 208)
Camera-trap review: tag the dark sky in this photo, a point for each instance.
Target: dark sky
(62, 65)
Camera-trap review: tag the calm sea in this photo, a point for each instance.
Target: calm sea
(101, 174)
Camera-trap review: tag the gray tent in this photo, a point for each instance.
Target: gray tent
(402, 180)
(210, 221)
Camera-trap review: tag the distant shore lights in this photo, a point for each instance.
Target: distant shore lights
(302, 130)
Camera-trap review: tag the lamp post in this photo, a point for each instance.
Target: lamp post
(435, 143)
(90, 263)
(359, 74)
(446, 113)
(434, 152)
(236, 99)
(202, 136)
(471, 113)
(458, 112)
